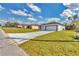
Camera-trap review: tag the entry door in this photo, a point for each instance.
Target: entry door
(43, 28)
(51, 28)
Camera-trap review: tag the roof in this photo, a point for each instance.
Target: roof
(34, 25)
(23, 24)
(52, 23)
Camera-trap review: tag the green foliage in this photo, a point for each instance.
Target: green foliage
(71, 27)
(76, 24)
(11, 24)
(17, 30)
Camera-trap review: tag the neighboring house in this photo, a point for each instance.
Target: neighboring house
(52, 26)
(34, 26)
(22, 26)
(25, 26)
(19, 26)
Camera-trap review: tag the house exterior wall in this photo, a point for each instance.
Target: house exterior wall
(35, 27)
(49, 27)
(25, 26)
(19, 26)
(60, 27)
(52, 27)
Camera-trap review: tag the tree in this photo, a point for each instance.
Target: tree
(8, 24)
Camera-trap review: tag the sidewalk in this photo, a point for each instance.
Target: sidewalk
(10, 48)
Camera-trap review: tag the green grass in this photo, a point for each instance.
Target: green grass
(59, 43)
(18, 30)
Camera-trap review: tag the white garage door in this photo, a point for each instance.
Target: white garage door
(51, 28)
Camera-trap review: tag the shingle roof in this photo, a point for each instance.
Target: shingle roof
(35, 24)
(51, 23)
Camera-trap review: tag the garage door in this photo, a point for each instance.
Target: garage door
(51, 28)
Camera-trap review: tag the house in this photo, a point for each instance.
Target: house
(19, 26)
(52, 26)
(31, 26)
(22, 26)
(25, 26)
(34, 26)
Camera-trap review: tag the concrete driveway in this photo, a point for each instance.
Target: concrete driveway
(22, 37)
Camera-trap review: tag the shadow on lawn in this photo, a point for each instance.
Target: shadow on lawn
(58, 40)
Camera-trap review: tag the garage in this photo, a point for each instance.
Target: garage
(53, 26)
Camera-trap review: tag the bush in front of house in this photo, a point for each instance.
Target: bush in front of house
(70, 27)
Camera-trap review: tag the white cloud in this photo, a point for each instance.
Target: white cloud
(3, 21)
(18, 12)
(67, 13)
(1, 7)
(53, 19)
(40, 16)
(76, 9)
(30, 15)
(25, 10)
(32, 19)
(21, 13)
(66, 4)
(73, 6)
(34, 7)
(21, 22)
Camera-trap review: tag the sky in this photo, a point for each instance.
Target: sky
(35, 12)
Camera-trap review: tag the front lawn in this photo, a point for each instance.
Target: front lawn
(17, 30)
(59, 43)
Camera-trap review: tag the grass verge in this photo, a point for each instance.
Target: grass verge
(59, 43)
(18, 30)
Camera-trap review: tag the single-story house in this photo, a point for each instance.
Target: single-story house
(31, 26)
(34, 26)
(19, 26)
(25, 26)
(22, 26)
(52, 26)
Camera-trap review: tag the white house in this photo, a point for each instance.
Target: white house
(52, 26)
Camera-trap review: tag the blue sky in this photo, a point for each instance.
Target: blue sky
(23, 12)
